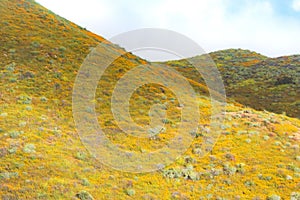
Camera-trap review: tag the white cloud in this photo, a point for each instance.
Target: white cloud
(215, 25)
(296, 5)
(81, 12)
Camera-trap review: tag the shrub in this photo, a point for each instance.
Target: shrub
(277, 143)
(189, 173)
(186, 173)
(153, 132)
(13, 80)
(266, 137)
(15, 134)
(3, 114)
(266, 178)
(241, 132)
(35, 44)
(24, 99)
(29, 148)
(84, 195)
(229, 156)
(284, 80)
(288, 177)
(28, 108)
(253, 132)
(240, 168)
(89, 110)
(166, 121)
(274, 197)
(189, 159)
(249, 183)
(85, 182)
(229, 170)
(62, 49)
(197, 151)
(10, 67)
(12, 51)
(27, 75)
(22, 124)
(248, 141)
(34, 53)
(12, 150)
(43, 99)
(80, 156)
(41, 58)
(295, 196)
(171, 173)
(130, 192)
(196, 133)
(8, 175)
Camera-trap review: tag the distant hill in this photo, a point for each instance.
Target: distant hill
(42, 156)
(255, 80)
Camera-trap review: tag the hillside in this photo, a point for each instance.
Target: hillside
(254, 80)
(42, 157)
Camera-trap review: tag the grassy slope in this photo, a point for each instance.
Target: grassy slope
(43, 158)
(257, 81)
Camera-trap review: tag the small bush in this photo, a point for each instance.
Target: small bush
(240, 168)
(28, 108)
(3, 114)
(80, 156)
(84, 195)
(248, 141)
(249, 183)
(34, 53)
(167, 121)
(24, 99)
(62, 49)
(274, 197)
(35, 44)
(295, 196)
(197, 151)
(171, 173)
(12, 51)
(22, 124)
(43, 99)
(10, 67)
(12, 150)
(29, 148)
(27, 75)
(15, 134)
(130, 192)
(8, 175)
(266, 137)
(229, 170)
(85, 182)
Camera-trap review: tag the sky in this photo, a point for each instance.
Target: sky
(269, 27)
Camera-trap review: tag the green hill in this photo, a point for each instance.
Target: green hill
(42, 156)
(254, 80)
